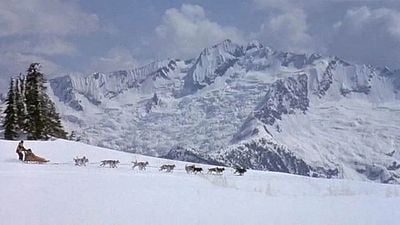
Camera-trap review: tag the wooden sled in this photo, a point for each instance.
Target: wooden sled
(32, 158)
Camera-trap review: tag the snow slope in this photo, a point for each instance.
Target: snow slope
(60, 193)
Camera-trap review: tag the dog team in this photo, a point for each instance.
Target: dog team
(190, 169)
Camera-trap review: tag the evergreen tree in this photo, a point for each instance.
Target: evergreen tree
(30, 110)
(20, 103)
(42, 118)
(34, 102)
(10, 121)
(53, 125)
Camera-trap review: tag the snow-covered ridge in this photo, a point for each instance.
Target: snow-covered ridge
(98, 86)
(211, 63)
(233, 104)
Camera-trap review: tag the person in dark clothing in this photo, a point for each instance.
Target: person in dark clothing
(20, 150)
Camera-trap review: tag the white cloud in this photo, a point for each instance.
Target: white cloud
(116, 59)
(186, 31)
(361, 34)
(287, 31)
(368, 36)
(44, 17)
(359, 19)
(285, 27)
(36, 30)
(45, 46)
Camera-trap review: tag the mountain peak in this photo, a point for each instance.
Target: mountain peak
(254, 44)
(223, 48)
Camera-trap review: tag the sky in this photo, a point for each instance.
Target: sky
(85, 36)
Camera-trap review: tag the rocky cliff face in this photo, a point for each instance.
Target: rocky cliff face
(285, 96)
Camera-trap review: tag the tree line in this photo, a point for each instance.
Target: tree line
(30, 113)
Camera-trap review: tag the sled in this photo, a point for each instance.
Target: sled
(32, 158)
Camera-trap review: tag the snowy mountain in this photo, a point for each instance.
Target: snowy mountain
(60, 193)
(245, 105)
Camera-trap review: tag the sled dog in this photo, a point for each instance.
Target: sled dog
(167, 168)
(189, 169)
(193, 169)
(240, 170)
(140, 165)
(110, 163)
(81, 161)
(216, 170)
(197, 170)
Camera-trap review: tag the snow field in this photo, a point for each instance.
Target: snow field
(66, 194)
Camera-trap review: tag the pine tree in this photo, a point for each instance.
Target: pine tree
(30, 110)
(42, 118)
(53, 125)
(34, 102)
(10, 122)
(20, 103)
